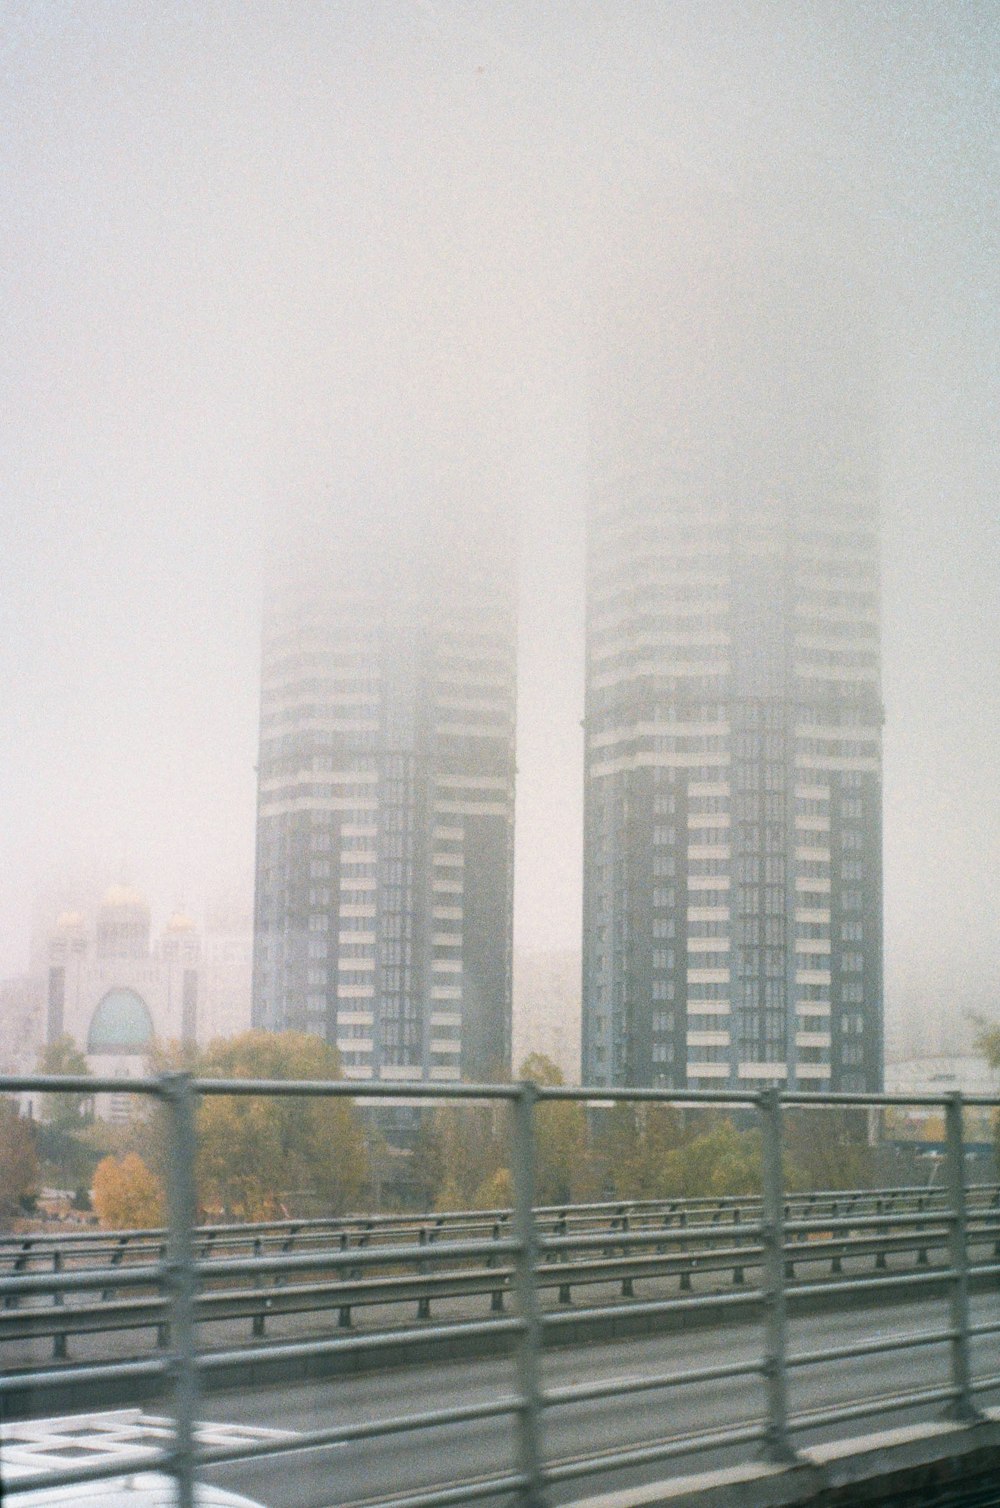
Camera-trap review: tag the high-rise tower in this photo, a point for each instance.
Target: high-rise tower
(386, 792)
(733, 890)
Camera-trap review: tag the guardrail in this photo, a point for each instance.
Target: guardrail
(526, 1254)
(48, 1294)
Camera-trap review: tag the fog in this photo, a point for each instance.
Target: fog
(258, 255)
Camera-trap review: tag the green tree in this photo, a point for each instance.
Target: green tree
(988, 1043)
(638, 1141)
(258, 1155)
(458, 1150)
(65, 1112)
(564, 1170)
(827, 1148)
(19, 1170)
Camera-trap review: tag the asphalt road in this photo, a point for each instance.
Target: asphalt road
(413, 1460)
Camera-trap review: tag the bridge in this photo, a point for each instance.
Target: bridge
(750, 1350)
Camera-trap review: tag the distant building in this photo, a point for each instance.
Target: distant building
(386, 794)
(942, 1074)
(115, 991)
(733, 808)
(22, 1022)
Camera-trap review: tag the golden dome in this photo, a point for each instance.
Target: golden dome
(122, 896)
(180, 922)
(69, 921)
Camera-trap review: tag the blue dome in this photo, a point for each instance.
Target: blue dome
(121, 1024)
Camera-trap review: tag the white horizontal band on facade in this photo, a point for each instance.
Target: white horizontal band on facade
(469, 730)
(708, 1007)
(820, 886)
(838, 763)
(812, 1039)
(357, 961)
(446, 939)
(648, 759)
(358, 883)
(396, 1072)
(356, 939)
(445, 1045)
(812, 976)
(498, 705)
(357, 1071)
(818, 917)
(812, 1008)
(364, 913)
(471, 809)
(708, 851)
(812, 945)
(447, 913)
(708, 976)
(471, 783)
(446, 965)
(836, 673)
(762, 1071)
(442, 1072)
(445, 992)
(708, 1070)
(355, 992)
(804, 855)
(320, 777)
(446, 1018)
(708, 945)
(291, 806)
(659, 730)
(678, 672)
(355, 1018)
(812, 1071)
(354, 1044)
(446, 887)
(708, 913)
(707, 1039)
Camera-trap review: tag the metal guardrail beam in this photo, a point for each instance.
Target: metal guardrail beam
(538, 1250)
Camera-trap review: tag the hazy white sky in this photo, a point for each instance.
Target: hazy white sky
(231, 228)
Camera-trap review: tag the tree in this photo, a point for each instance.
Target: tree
(18, 1161)
(458, 1151)
(988, 1043)
(564, 1170)
(65, 1112)
(126, 1195)
(258, 1154)
(826, 1147)
(638, 1141)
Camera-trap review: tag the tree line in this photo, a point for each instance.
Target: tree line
(267, 1157)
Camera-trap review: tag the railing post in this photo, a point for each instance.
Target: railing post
(58, 1299)
(178, 1096)
(777, 1442)
(529, 1345)
(958, 1258)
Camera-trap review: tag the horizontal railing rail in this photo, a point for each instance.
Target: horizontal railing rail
(762, 1248)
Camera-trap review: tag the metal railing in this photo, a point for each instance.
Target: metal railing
(777, 1230)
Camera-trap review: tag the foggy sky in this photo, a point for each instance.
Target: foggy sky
(250, 247)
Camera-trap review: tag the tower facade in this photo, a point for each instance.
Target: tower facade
(733, 883)
(383, 907)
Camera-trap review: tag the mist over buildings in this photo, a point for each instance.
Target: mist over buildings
(262, 264)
